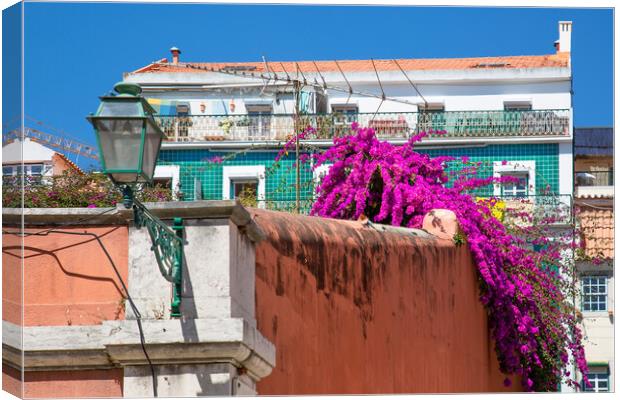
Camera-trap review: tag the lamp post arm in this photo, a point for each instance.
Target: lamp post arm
(167, 244)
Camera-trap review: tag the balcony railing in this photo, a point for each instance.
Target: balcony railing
(279, 127)
(536, 209)
(594, 178)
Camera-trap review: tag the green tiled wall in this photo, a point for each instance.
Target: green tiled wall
(280, 182)
(545, 155)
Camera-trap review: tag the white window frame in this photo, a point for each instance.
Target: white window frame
(601, 374)
(345, 108)
(230, 173)
(518, 105)
(169, 171)
(260, 118)
(517, 167)
(432, 107)
(322, 169)
(605, 293)
(26, 169)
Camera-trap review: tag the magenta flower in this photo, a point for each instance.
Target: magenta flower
(395, 185)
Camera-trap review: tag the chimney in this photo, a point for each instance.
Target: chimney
(175, 55)
(563, 43)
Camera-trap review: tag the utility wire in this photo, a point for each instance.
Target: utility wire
(276, 78)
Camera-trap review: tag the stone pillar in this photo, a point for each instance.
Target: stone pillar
(214, 349)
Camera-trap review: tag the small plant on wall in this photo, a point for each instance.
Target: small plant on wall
(72, 190)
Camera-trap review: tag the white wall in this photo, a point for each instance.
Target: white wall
(598, 327)
(455, 97)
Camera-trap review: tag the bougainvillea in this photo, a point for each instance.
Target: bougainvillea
(72, 190)
(526, 292)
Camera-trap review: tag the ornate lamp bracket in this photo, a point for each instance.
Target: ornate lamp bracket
(167, 244)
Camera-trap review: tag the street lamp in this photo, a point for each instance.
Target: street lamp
(129, 140)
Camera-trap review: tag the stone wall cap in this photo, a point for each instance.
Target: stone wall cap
(119, 215)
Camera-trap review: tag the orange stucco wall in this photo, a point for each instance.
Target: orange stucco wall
(67, 280)
(353, 310)
(64, 384)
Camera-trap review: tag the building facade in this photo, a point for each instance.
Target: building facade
(225, 122)
(32, 159)
(594, 196)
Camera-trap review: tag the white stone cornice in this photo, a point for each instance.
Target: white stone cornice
(117, 343)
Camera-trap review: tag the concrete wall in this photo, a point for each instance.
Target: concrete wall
(354, 310)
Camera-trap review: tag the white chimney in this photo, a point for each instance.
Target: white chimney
(175, 55)
(566, 28)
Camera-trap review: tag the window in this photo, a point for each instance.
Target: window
(168, 176)
(524, 171)
(36, 169)
(431, 117)
(260, 119)
(431, 108)
(594, 293)
(318, 175)
(599, 379)
(29, 169)
(182, 110)
(245, 190)
(517, 106)
(518, 188)
(242, 181)
(346, 109)
(320, 172)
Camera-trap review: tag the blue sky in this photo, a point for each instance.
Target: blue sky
(76, 52)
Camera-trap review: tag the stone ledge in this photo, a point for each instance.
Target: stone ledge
(205, 209)
(117, 343)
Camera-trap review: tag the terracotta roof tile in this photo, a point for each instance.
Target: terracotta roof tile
(511, 62)
(598, 231)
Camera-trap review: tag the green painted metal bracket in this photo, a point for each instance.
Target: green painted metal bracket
(167, 244)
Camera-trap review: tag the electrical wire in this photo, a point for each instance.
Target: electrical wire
(133, 306)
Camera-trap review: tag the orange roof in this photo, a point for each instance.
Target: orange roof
(598, 231)
(511, 62)
(70, 163)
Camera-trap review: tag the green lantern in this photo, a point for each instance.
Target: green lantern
(129, 139)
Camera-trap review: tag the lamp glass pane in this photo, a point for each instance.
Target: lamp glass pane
(127, 178)
(120, 143)
(121, 109)
(151, 149)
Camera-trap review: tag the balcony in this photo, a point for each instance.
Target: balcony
(279, 127)
(594, 184)
(536, 209)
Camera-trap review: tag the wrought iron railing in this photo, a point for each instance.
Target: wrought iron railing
(522, 210)
(542, 209)
(393, 125)
(594, 178)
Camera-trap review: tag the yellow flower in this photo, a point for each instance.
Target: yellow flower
(497, 210)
